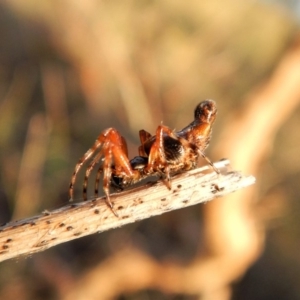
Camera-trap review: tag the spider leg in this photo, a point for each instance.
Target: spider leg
(157, 161)
(88, 172)
(209, 161)
(144, 136)
(99, 172)
(124, 146)
(115, 149)
(81, 161)
(123, 166)
(107, 177)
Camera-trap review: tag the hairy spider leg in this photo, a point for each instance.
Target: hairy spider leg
(209, 161)
(115, 151)
(100, 170)
(95, 160)
(157, 161)
(124, 146)
(144, 136)
(113, 146)
(106, 178)
(98, 176)
(81, 161)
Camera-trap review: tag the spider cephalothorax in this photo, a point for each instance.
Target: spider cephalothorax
(163, 154)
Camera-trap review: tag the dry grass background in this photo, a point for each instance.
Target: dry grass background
(70, 69)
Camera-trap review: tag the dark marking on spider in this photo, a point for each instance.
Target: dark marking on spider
(164, 154)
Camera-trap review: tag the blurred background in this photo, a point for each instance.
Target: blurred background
(69, 69)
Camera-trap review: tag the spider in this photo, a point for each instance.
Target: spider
(164, 154)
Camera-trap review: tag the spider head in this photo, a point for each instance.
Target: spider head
(206, 111)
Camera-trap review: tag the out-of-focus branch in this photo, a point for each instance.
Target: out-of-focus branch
(248, 140)
(76, 220)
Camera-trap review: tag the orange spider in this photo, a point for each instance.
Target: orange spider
(164, 154)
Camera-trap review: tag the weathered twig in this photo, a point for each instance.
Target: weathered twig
(80, 219)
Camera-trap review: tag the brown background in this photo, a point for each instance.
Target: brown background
(69, 69)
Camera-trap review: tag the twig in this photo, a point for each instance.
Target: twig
(76, 220)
